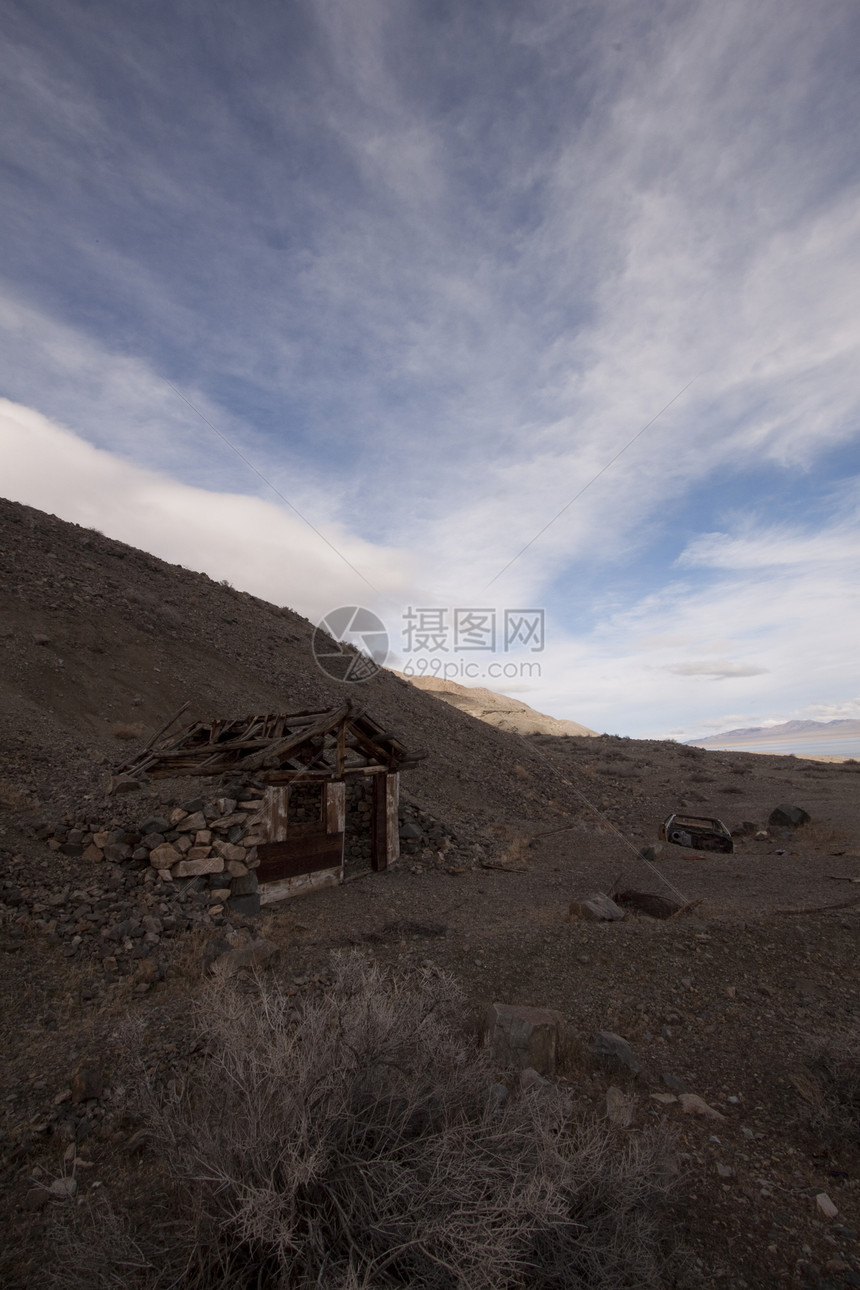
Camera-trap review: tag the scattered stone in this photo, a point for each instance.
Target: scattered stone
(63, 1188)
(93, 853)
(665, 1099)
(596, 907)
(411, 832)
(523, 1037)
(725, 1171)
(619, 1107)
(789, 816)
(125, 784)
(825, 1206)
(165, 856)
(653, 851)
(692, 1104)
(609, 1045)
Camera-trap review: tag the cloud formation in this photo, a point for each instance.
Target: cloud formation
(429, 270)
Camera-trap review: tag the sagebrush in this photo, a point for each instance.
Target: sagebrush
(359, 1140)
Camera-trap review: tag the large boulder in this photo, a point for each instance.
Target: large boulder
(789, 816)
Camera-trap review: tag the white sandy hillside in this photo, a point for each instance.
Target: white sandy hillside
(497, 709)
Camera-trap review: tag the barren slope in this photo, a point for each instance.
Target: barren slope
(497, 709)
(728, 1000)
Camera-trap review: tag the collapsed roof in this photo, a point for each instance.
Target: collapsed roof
(276, 748)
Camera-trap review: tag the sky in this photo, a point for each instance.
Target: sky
(439, 307)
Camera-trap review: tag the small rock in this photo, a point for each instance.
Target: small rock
(93, 853)
(665, 1099)
(164, 856)
(63, 1188)
(619, 1107)
(692, 1104)
(155, 824)
(596, 907)
(194, 868)
(725, 1171)
(191, 823)
(125, 784)
(673, 1082)
(229, 851)
(610, 1045)
(825, 1206)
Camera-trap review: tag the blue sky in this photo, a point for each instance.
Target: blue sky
(430, 267)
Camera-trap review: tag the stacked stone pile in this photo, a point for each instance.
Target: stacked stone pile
(122, 891)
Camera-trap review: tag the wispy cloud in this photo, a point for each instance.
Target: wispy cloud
(431, 271)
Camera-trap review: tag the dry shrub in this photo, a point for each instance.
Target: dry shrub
(355, 1141)
(834, 1114)
(127, 731)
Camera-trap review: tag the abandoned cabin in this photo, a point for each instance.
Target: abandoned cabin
(302, 772)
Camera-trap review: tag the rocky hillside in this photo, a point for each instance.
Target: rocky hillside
(498, 710)
(101, 643)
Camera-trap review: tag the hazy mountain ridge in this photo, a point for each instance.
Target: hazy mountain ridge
(840, 728)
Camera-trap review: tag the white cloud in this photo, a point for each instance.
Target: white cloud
(254, 544)
(718, 668)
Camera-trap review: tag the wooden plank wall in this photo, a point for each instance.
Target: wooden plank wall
(386, 827)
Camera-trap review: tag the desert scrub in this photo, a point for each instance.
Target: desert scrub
(834, 1113)
(359, 1140)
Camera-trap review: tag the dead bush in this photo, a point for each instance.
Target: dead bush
(356, 1141)
(834, 1113)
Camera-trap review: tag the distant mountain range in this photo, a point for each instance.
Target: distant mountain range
(787, 732)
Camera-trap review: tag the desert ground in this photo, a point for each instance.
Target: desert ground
(748, 998)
